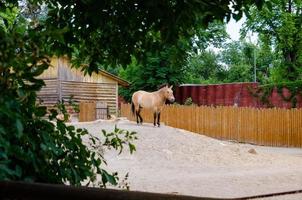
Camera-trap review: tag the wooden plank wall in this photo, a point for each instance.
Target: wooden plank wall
(67, 73)
(270, 127)
(49, 94)
(82, 91)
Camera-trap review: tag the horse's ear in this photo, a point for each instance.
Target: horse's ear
(171, 86)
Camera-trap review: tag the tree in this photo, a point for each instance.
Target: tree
(110, 32)
(214, 35)
(239, 59)
(280, 24)
(162, 67)
(204, 68)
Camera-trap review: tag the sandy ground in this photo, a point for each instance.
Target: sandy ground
(175, 161)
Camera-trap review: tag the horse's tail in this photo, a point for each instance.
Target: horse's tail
(132, 108)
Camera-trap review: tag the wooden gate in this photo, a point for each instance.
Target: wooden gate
(91, 111)
(101, 110)
(87, 111)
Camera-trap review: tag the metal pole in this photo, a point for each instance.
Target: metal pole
(255, 75)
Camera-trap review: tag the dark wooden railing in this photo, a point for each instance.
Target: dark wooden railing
(30, 191)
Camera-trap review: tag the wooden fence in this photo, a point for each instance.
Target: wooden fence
(270, 127)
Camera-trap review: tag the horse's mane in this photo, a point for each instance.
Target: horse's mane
(162, 85)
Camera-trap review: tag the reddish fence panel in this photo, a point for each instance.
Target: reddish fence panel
(202, 95)
(219, 97)
(246, 99)
(211, 95)
(194, 93)
(231, 94)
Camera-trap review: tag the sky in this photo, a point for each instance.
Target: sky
(233, 29)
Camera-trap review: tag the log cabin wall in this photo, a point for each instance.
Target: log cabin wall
(62, 81)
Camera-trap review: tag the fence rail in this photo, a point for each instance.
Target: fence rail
(270, 127)
(30, 191)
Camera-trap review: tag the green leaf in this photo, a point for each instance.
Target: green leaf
(108, 178)
(41, 111)
(19, 127)
(132, 148)
(43, 147)
(116, 129)
(5, 169)
(104, 132)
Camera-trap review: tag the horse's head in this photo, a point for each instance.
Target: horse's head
(169, 93)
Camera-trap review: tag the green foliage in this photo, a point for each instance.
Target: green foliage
(214, 35)
(279, 25)
(240, 57)
(41, 151)
(204, 68)
(110, 32)
(233, 64)
(113, 139)
(240, 73)
(8, 17)
(161, 67)
(265, 91)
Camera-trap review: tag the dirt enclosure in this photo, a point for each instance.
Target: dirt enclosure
(174, 161)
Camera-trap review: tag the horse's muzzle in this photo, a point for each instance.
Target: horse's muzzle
(172, 99)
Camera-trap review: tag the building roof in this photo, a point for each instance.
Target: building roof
(203, 84)
(120, 81)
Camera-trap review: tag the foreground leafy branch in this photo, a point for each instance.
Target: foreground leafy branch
(51, 151)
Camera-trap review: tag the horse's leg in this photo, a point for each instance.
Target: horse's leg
(154, 115)
(139, 115)
(136, 112)
(158, 119)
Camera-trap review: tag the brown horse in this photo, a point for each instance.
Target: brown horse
(151, 100)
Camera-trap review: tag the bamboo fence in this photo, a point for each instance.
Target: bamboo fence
(270, 127)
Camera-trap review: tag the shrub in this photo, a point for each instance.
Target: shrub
(189, 102)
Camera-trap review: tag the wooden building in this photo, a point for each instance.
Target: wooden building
(62, 81)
